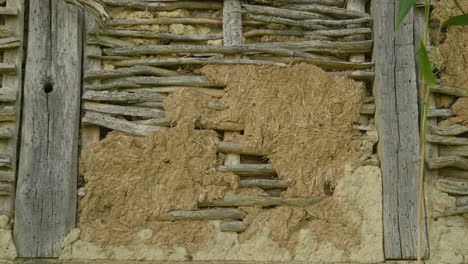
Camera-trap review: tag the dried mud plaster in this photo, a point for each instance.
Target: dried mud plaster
(300, 116)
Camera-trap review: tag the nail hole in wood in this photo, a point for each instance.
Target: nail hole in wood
(48, 87)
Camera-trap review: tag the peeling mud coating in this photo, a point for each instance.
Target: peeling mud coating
(300, 116)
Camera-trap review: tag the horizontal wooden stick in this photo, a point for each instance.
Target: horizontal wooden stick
(263, 183)
(122, 125)
(193, 61)
(237, 200)
(440, 112)
(214, 92)
(452, 130)
(447, 140)
(163, 122)
(288, 22)
(461, 201)
(339, 23)
(164, 6)
(6, 189)
(248, 169)
(327, 10)
(232, 226)
(5, 160)
(124, 110)
(271, 32)
(140, 82)
(319, 2)
(123, 96)
(7, 113)
(324, 63)
(8, 68)
(128, 72)
(9, 11)
(158, 105)
(451, 211)
(7, 176)
(357, 75)
(152, 34)
(335, 47)
(169, 49)
(365, 127)
(200, 215)
(5, 133)
(107, 41)
(5, 32)
(236, 148)
(448, 161)
(450, 90)
(461, 150)
(165, 21)
(453, 173)
(9, 43)
(457, 187)
(7, 95)
(341, 32)
(280, 12)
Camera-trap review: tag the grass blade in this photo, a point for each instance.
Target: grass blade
(461, 20)
(426, 67)
(404, 6)
(459, 6)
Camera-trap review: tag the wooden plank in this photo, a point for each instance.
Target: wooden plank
(46, 199)
(396, 95)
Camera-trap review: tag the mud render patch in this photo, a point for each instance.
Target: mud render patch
(300, 116)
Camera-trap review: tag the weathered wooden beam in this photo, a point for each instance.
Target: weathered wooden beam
(327, 10)
(151, 34)
(440, 112)
(280, 12)
(396, 96)
(164, 6)
(232, 226)
(442, 89)
(230, 147)
(237, 200)
(461, 201)
(448, 161)
(447, 140)
(202, 215)
(248, 169)
(263, 183)
(456, 187)
(451, 130)
(193, 61)
(123, 96)
(125, 110)
(122, 125)
(46, 196)
(128, 72)
(141, 82)
(451, 211)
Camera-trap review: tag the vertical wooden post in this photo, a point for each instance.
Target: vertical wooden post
(46, 191)
(396, 94)
(232, 35)
(13, 83)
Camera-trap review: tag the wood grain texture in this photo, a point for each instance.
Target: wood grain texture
(46, 191)
(396, 95)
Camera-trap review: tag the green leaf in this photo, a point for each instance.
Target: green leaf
(404, 6)
(461, 20)
(425, 65)
(459, 6)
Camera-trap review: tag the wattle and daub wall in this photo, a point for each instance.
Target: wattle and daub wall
(245, 130)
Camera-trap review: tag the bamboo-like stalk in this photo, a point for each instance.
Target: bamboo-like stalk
(9, 11)
(357, 75)
(5, 161)
(271, 32)
(7, 176)
(339, 3)
(151, 34)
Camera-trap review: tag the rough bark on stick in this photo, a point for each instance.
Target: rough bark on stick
(333, 11)
(123, 96)
(7, 68)
(288, 22)
(263, 183)
(128, 72)
(10, 43)
(248, 169)
(7, 113)
(5, 160)
(451, 130)
(280, 12)
(164, 6)
(237, 200)
(461, 150)
(151, 34)
(324, 63)
(7, 176)
(271, 32)
(46, 192)
(440, 113)
(192, 61)
(5, 132)
(124, 110)
(165, 21)
(456, 187)
(230, 147)
(447, 140)
(334, 47)
(461, 201)
(451, 211)
(448, 161)
(122, 125)
(319, 2)
(140, 82)
(107, 41)
(232, 226)
(201, 215)
(455, 91)
(8, 95)
(454, 173)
